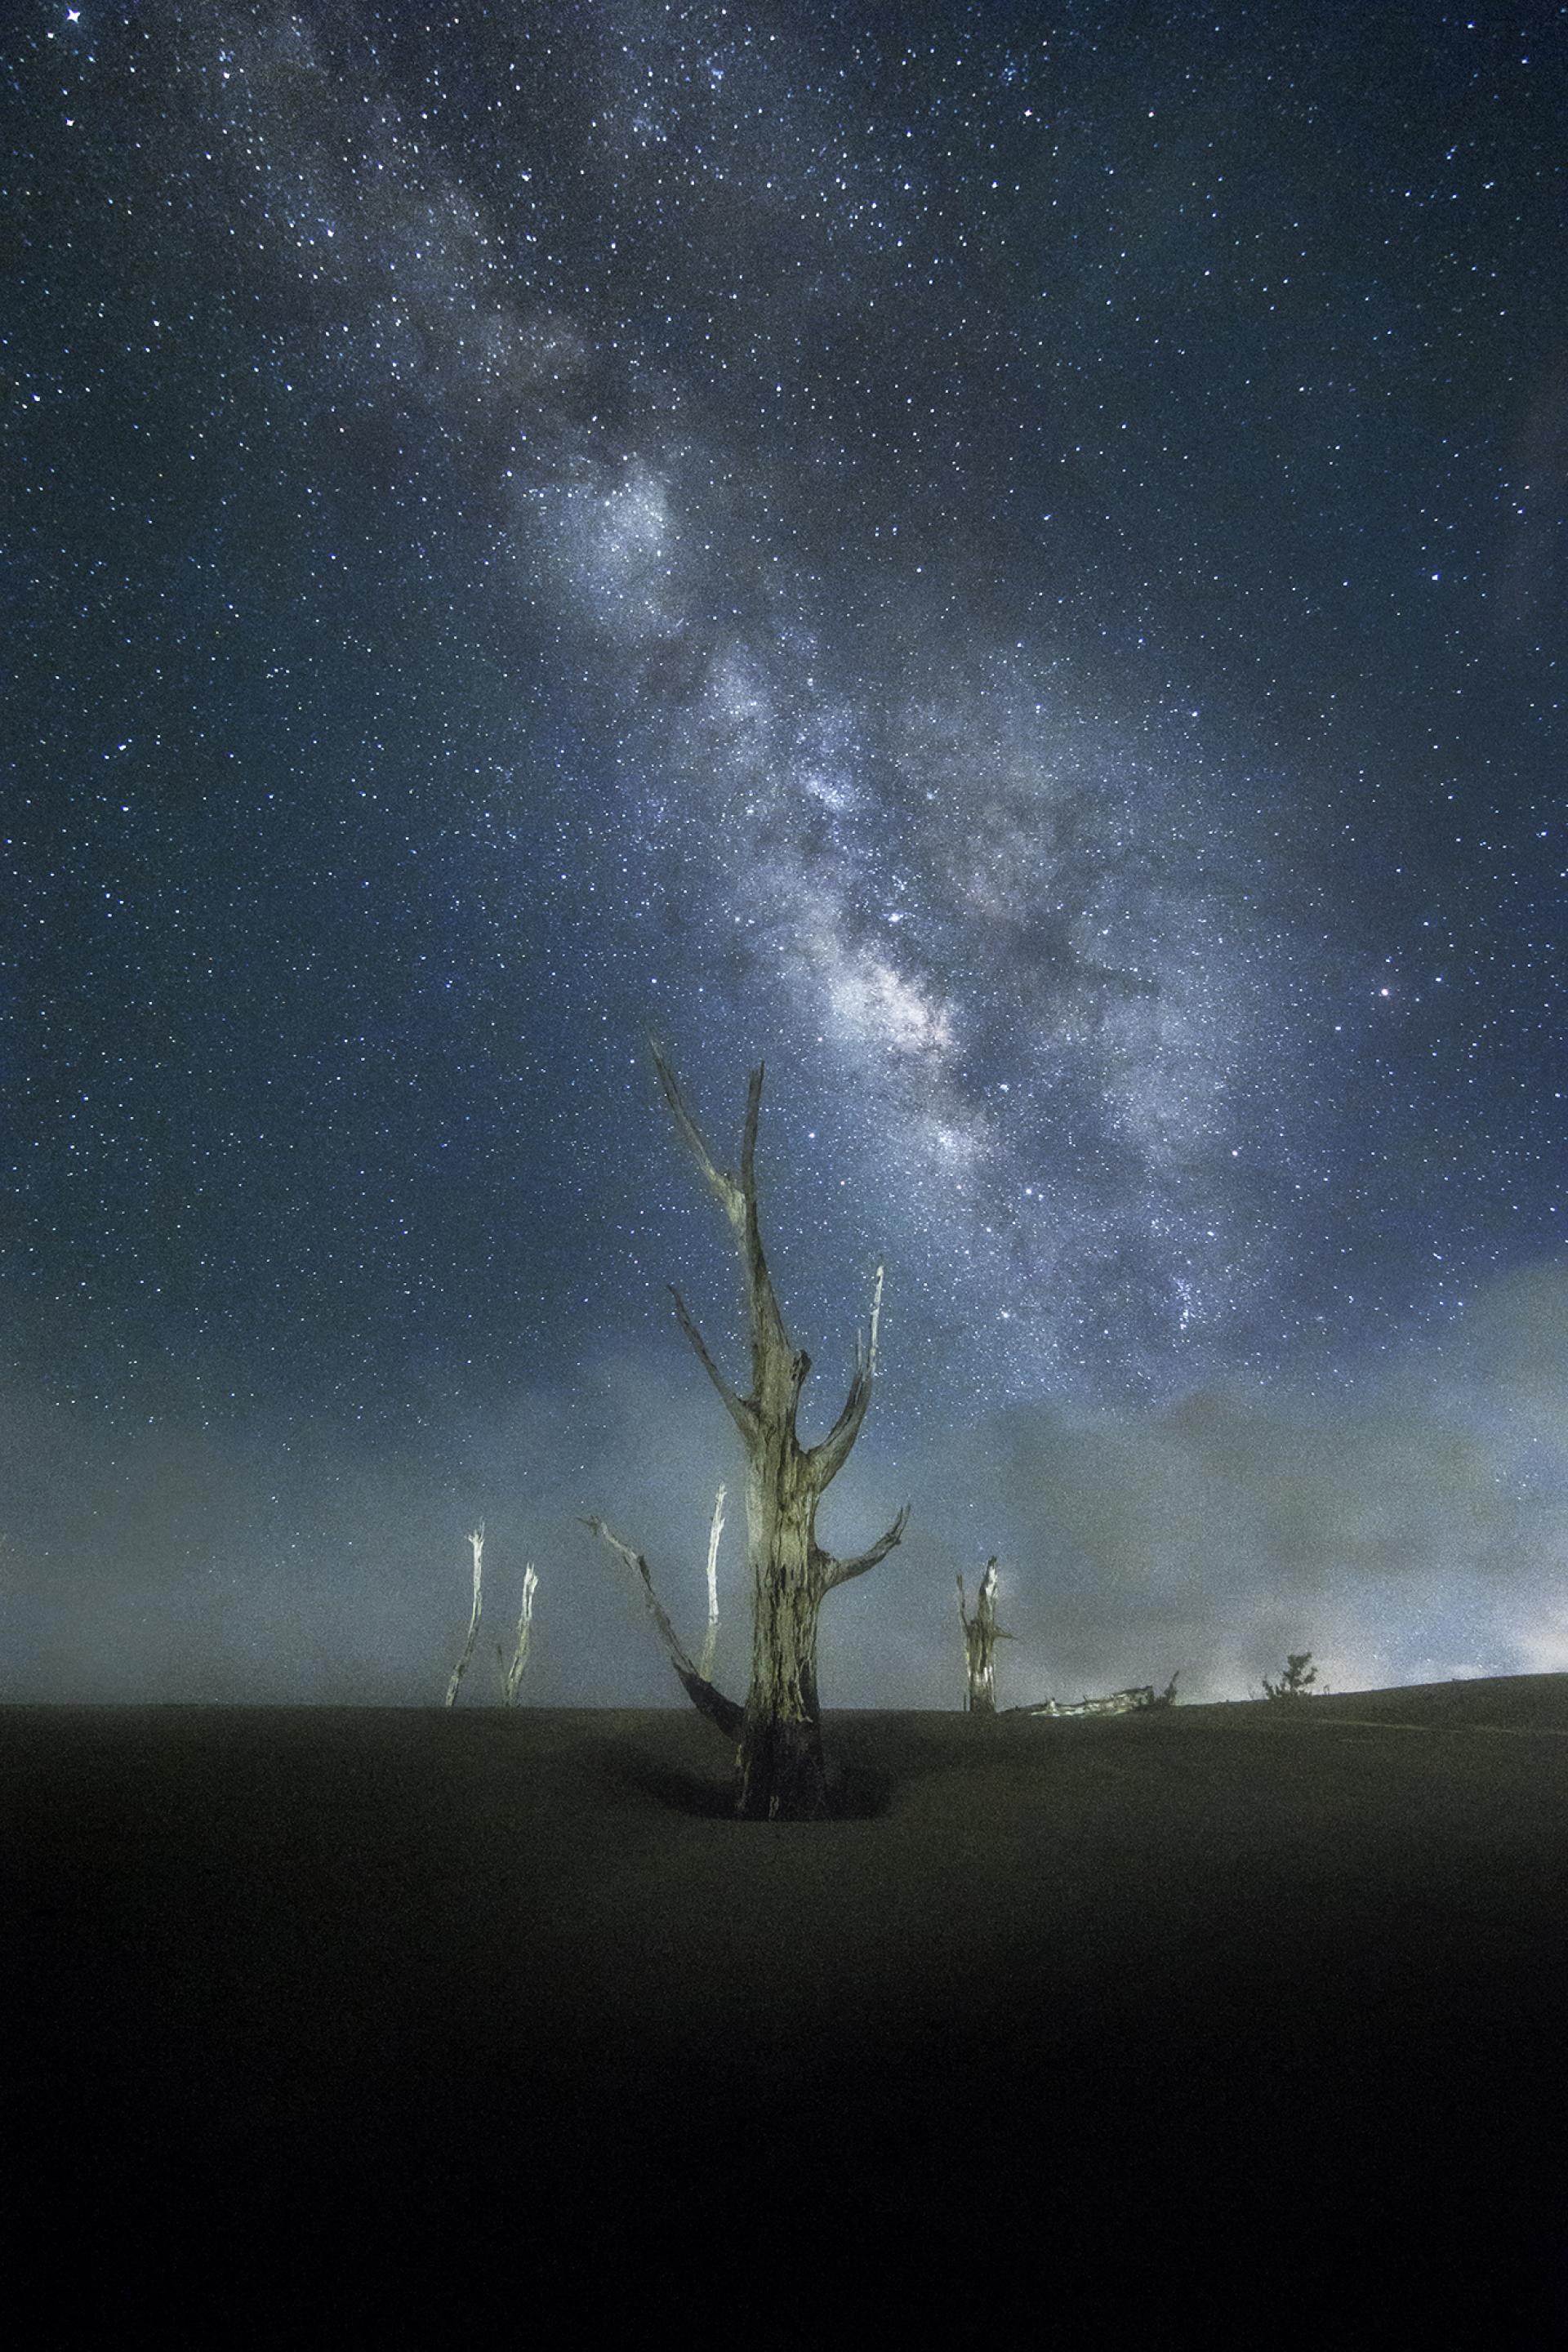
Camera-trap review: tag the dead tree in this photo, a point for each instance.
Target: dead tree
(514, 1668)
(980, 1635)
(715, 1529)
(1137, 1700)
(779, 1765)
(477, 1545)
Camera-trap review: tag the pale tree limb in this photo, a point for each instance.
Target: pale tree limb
(987, 1588)
(512, 1672)
(741, 1410)
(1133, 1701)
(839, 1571)
(980, 1635)
(710, 1642)
(770, 1343)
(478, 1542)
(703, 1694)
(828, 1458)
(730, 1196)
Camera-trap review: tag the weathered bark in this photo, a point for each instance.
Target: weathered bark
(980, 1635)
(780, 1773)
(710, 1640)
(512, 1668)
(1131, 1701)
(477, 1545)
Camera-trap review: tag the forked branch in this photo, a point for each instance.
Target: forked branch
(839, 1571)
(741, 1410)
(704, 1696)
(769, 1345)
(828, 1458)
(728, 1192)
(769, 1342)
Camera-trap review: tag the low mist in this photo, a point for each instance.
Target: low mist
(1407, 1524)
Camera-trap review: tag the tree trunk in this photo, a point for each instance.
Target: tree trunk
(980, 1635)
(780, 1773)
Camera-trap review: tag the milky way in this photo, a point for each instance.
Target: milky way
(1007, 560)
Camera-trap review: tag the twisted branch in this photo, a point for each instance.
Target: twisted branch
(742, 1410)
(704, 1696)
(839, 1571)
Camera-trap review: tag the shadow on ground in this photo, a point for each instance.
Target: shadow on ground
(858, 1787)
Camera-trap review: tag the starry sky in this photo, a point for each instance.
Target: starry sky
(1007, 560)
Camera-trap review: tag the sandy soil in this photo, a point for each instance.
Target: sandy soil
(369, 2026)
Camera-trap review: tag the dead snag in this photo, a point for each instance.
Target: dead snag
(511, 1669)
(980, 1635)
(779, 1769)
(477, 1545)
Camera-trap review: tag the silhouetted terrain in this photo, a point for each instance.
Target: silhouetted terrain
(409, 2019)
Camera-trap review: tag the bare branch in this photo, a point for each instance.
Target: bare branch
(729, 1193)
(839, 1571)
(749, 1136)
(769, 1345)
(769, 1342)
(741, 1410)
(828, 1458)
(707, 1699)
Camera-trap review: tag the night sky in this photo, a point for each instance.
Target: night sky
(1005, 559)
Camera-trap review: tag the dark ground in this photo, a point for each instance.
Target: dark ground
(378, 2026)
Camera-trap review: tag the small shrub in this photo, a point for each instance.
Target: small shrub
(1296, 1679)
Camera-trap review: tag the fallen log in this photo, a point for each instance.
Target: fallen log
(1121, 1702)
